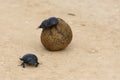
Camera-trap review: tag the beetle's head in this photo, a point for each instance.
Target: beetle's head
(44, 24)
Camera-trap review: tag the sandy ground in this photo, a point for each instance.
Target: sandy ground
(94, 53)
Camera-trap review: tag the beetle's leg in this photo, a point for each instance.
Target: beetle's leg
(56, 27)
(23, 65)
(36, 65)
(58, 30)
(50, 30)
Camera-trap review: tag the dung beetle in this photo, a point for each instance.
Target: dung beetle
(29, 59)
(49, 23)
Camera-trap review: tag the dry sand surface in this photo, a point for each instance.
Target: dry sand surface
(94, 53)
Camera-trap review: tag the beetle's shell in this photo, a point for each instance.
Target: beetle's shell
(52, 21)
(57, 39)
(26, 58)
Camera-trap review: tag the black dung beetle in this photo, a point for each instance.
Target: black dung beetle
(29, 59)
(49, 23)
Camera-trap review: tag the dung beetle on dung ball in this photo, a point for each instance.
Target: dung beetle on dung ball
(49, 23)
(29, 59)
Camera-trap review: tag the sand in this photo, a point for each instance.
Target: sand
(93, 54)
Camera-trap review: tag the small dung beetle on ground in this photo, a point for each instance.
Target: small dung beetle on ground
(29, 59)
(49, 23)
